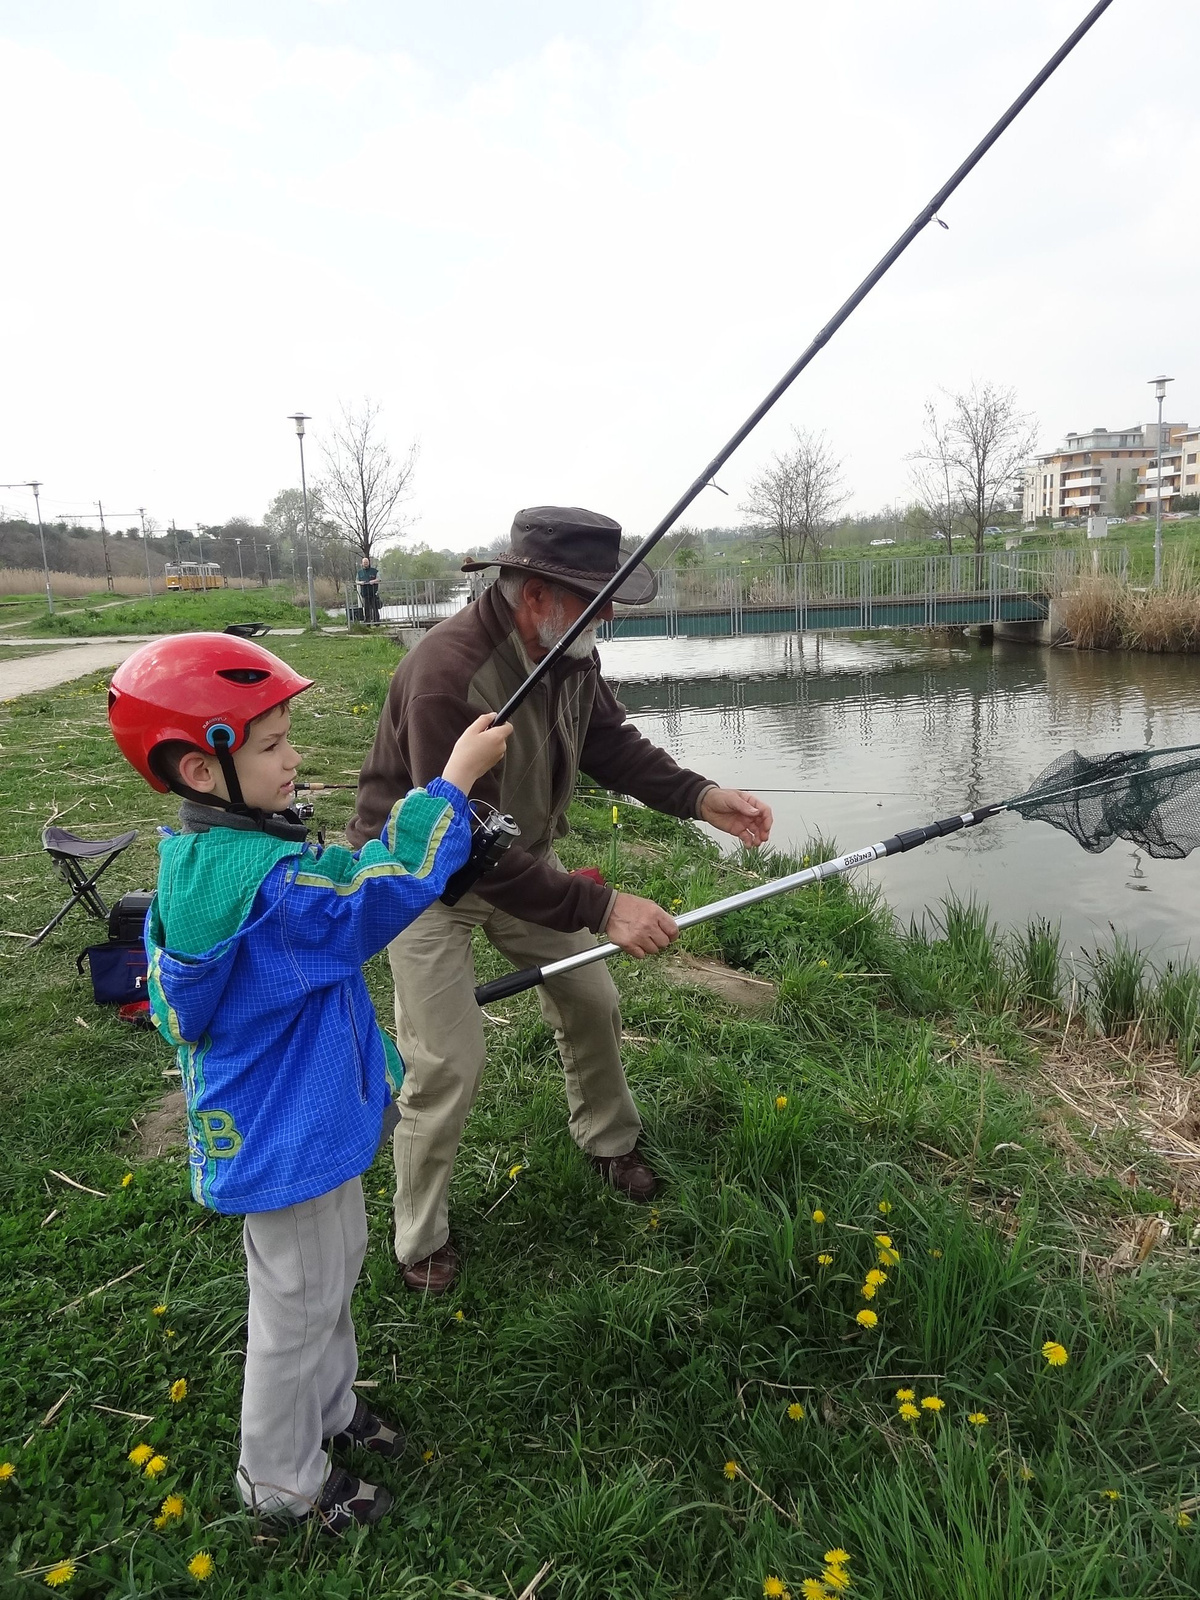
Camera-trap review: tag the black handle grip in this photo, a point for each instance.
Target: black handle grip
(511, 983)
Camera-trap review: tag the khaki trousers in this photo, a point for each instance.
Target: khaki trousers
(440, 1032)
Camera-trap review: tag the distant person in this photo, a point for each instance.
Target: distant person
(256, 940)
(530, 907)
(368, 589)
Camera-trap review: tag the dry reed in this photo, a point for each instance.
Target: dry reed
(1100, 613)
(67, 585)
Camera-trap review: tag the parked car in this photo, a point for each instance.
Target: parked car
(996, 532)
(875, 543)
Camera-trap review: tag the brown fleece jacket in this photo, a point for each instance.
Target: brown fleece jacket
(471, 663)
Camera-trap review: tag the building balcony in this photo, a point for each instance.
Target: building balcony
(1149, 491)
(1072, 502)
(1090, 477)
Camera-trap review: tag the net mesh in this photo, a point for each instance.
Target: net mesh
(1150, 797)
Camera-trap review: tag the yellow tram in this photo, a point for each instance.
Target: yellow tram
(194, 575)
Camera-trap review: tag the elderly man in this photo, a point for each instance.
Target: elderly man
(529, 907)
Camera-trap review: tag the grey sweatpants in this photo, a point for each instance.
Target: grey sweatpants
(302, 1263)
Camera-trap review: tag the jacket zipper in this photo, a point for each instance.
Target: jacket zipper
(362, 1070)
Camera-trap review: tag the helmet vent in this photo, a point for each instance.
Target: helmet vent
(243, 674)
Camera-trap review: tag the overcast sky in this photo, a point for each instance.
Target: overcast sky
(569, 246)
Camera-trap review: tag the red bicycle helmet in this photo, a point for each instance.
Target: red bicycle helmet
(202, 688)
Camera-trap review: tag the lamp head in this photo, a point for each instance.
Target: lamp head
(300, 418)
(1160, 385)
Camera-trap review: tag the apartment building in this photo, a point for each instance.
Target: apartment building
(1080, 477)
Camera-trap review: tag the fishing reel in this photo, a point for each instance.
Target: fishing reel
(492, 832)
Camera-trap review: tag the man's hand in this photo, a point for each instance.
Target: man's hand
(736, 812)
(639, 926)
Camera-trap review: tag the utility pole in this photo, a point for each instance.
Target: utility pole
(200, 541)
(175, 536)
(241, 574)
(35, 484)
(104, 546)
(146, 551)
(299, 418)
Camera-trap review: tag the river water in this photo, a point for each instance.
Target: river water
(875, 733)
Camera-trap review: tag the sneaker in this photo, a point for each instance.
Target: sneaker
(366, 1431)
(346, 1501)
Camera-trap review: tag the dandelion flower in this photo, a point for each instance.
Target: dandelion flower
(905, 1394)
(933, 1402)
(936, 1254)
(7, 1471)
(883, 1238)
(867, 1291)
(780, 1102)
(156, 1466)
(172, 1507)
(170, 1333)
(978, 1419)
(773, 1588)
(818, 1215)
(1183, 1520)
(127, 1180)
(653, 1219)
(909, 1411)
(1112, 1494)
(731, 1470)
(1028, 1475)
(62, 1573)
(140, 1454)
(459, 1317)
(876, 1277)
(796, 1411)
(821, 963)
(1055, 1353)
(178, 1390)
(866, 1319)
(201, 1566)
(517, 1166)
(884, 1207)
(813, 1589)
(889, 1258)
(824, 1260)
(836, 1578)
(837, 1558)
(158, 1311)
(427, 1456)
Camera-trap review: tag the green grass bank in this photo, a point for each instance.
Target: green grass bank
(172, 613)
(670, 1402)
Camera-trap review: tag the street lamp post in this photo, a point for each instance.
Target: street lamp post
(241, 574)
(299, 418)
(200, 542)
(146, 551)
(1160, 388)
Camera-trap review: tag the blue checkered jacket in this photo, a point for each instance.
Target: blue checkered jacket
(255, 947)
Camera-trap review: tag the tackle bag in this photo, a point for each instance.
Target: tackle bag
(118, 972)
(127, 919)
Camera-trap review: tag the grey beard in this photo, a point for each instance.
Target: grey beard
(552, 630)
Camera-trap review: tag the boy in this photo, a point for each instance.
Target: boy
(255, 940)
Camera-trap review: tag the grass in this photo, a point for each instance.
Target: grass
(611, 1360)
(174, 613)
(1101, 614)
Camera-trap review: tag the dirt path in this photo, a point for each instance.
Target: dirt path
(73, 612)
(28, 674)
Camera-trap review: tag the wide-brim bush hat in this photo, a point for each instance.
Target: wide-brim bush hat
(575, 548)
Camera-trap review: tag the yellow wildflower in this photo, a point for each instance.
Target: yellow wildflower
(518, 1166)
(883, 1238)
(866, 1319)
(876, 1277)
(824, 1260)
(62, 1573)
(1028, 1475)
(1112, 1494)
(1183, 1520)
(7, 1471)
(201, 1566)
(909, 1411)
(459, 1317)
(867, 1291)
(936, 1254)
(813, 1589)
(140, 1454)
(837, 1558)
(172, 1507)
(170, 1333)
(978, 1418)
(836, 1578)
(653, 1220)
(427, 1456)
(178, 1390)
(780, 1102)
(616, 814)
(931, 1402)
(1055, 1353)
(885, 1206)
(889, 1258)
(822, 963)
(127, 1180)
(905, 1394)
(796, 1411)
(158, 1311)
(818, 1215)
(155, 1466)
(773, 1588)
(731, 1470)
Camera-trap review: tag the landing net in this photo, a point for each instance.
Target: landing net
(1150, 797)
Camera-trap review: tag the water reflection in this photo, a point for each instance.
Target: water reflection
(875, 733)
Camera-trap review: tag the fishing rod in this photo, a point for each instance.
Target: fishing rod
(926, 215)
(1150, 797)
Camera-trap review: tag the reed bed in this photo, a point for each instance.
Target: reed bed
(1100, 613)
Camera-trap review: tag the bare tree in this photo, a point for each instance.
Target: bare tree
(365, 484)
(794, 500)
(971, 455)
(934, 478)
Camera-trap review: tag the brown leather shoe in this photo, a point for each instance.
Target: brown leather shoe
(436, 1273)
(628, 1173)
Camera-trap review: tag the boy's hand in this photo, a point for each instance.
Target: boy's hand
(476, 751)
